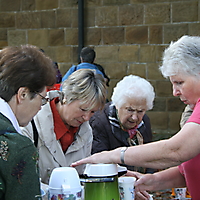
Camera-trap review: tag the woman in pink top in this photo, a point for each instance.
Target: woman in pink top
(181, 64)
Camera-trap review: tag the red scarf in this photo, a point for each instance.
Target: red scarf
(132, 132)
(65, 135)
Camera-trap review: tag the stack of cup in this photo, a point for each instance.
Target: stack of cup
(64, 183)
(126, 187)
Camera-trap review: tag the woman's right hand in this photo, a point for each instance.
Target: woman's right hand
(145, 182)
(139, 195)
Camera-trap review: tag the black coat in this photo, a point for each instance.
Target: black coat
(105, 139)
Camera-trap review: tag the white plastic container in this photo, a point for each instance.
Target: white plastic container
(64, 183)
(101, 170)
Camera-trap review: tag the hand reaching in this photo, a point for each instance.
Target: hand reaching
(140, 191)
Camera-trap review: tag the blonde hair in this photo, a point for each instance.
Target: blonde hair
(87, 86)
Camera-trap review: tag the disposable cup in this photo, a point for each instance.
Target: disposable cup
(126, 188)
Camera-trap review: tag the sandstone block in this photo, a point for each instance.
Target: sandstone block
(137, 35)
(175, 104)
(56, 37)
(159, 104)
(38, 37)
(174, 32)
(3, 34)
(159, 120)
(3, 43)
(68, 3)
(46, 4)
(116, 70)
(131, 15)
(7, 20)
(74, 18)
(147, 53)
(155, 34)
(89, 17)
(163, 88)
(106, 54)
(48, 19)
(185, 11)
(174, 121)
(159, 52)
(71, 36)
(115, 2)
(153, 72)
(64, 18)
(17, 37)
(113, 35)
(106, 16)
(28, 4)
(194, 29)
(64, 54)
(137, 69)
(28, 20)
(157, 13)
(129, 53)
(10, 5)
(93, 36)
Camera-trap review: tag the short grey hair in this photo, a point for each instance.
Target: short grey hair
(133, 87)
(87, 86)
(182, 56)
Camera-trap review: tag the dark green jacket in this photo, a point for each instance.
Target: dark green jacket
(19, 177)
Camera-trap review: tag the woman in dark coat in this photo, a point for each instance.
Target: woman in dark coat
(123, 121)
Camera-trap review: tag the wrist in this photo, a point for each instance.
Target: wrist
(122, 154)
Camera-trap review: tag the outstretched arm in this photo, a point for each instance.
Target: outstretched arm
(158, 155)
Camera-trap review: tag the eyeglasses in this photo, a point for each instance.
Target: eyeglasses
(131, 111)
(44, 99)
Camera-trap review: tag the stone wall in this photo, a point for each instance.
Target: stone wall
(129, 37)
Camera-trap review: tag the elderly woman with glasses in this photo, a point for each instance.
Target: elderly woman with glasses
(123, 121)
(61, 130)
